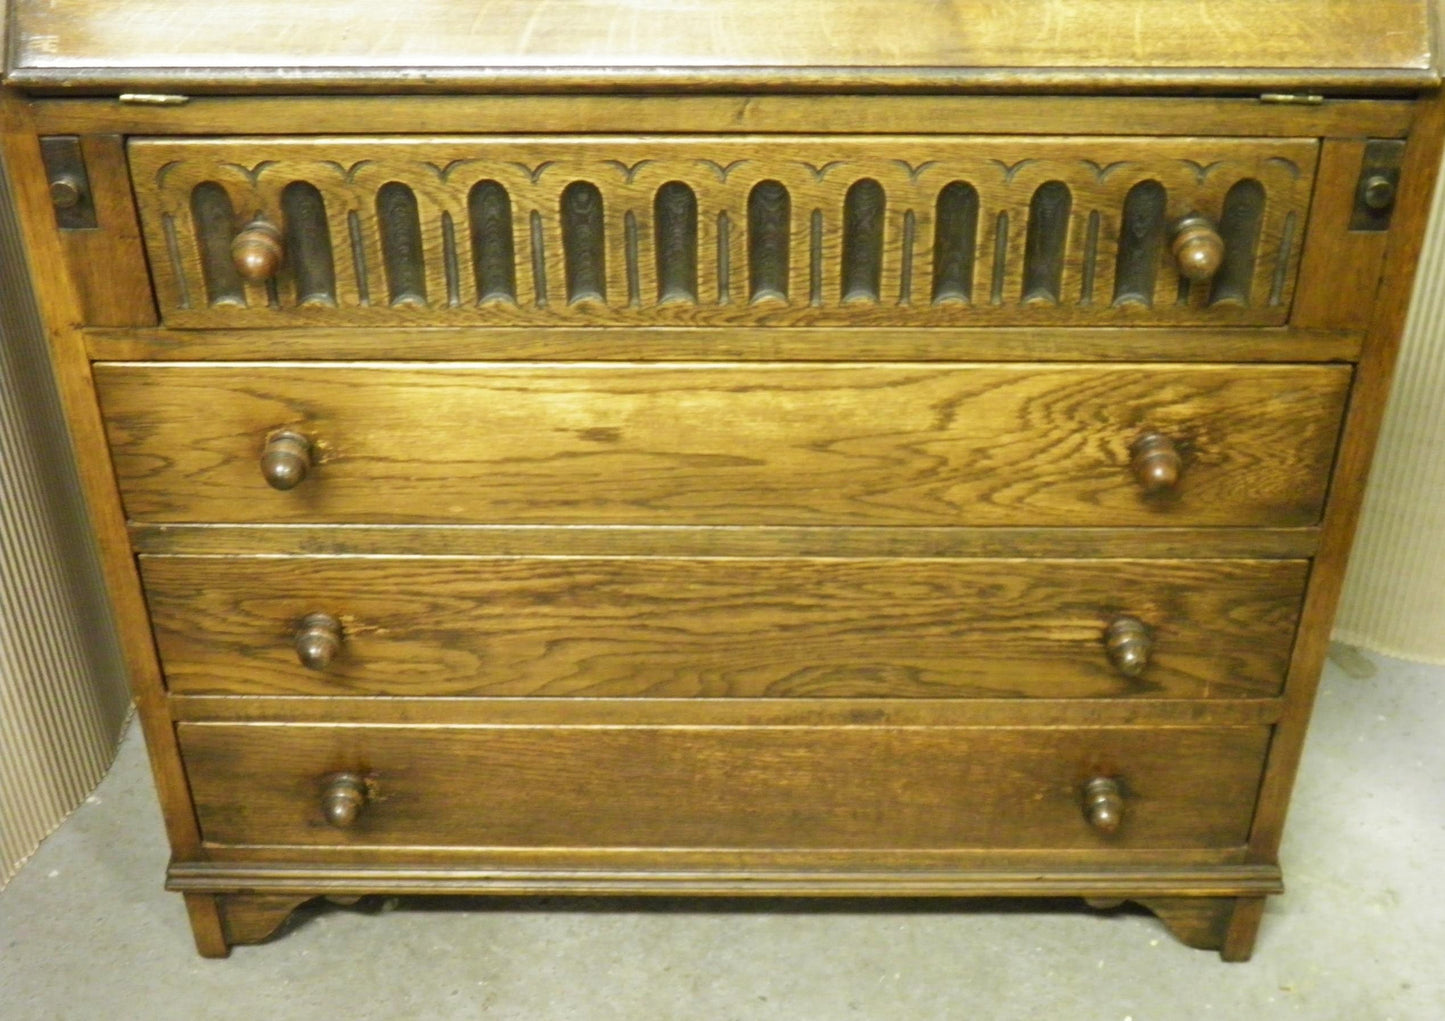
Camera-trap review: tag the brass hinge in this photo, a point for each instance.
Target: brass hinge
(1292, 98)
(153, 99)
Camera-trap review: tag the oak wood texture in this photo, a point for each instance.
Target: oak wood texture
(675, 628)
(700, 343)
(723, 173)
(1342, 267)
(60, 309)
(1153, 713)
(744, 788)
(112, 284)
(763, 45)
(659, 474)
(723, 541)
(751, 114)
(741, 444)
(1367, 405)
(338, 871)
(1226, 924)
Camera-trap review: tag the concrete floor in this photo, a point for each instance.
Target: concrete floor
(86, 931)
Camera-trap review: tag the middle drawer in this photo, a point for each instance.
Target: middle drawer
(754, 444)
(723, 627)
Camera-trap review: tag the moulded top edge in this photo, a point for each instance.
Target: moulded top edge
(754, 45)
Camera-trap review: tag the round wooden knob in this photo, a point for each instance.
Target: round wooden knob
(1156, 463)
(1198, 249)
(1104, 804)
(1129, 644)
(258, 251)
(318, 640)
(344, 798)
(286, 459)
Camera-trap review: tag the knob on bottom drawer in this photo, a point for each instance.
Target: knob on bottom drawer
(345, 796)
(1104, 804)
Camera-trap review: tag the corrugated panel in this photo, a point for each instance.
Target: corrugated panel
(1394, 597)
(62, 689)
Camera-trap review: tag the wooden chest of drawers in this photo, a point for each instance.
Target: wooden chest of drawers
(917, 457)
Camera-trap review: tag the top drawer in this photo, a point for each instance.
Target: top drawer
(702, 230)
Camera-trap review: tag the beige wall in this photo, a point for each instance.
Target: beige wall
(62, 691)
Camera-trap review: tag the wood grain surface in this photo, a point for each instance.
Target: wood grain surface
(741, 444)
(957, 114)
(752, 788)
(676, 628)
(763, 44)
(707, 344)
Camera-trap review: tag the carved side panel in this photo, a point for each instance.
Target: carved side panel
(691, 230)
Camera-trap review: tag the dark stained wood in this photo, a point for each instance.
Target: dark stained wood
(753, 114)
(1199, 344)
(1367, 405)
(1226, 924)
(667, 628)
(60, 310)
(723, 541)
(786, 199)
(705, 497)
(1153, 714)
(757, 44)
(1340, 268)
(740, 444)
(353, 871)
(253, 918)
(746, 788)
(111, 281)
(204, 911)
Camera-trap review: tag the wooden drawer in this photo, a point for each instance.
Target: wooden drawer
(714, 628)
(716, 230)
(1018, 444)
(772, 788)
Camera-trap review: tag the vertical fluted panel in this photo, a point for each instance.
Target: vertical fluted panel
(62, 690)
(1394, 597)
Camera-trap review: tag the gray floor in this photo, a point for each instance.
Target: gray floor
(87, 933)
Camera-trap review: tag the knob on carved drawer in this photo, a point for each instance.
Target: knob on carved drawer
(1104, 804)
(344, 798)
(1129, 644)
(286, 459)
(258, 251)
(1156, 463)
(318, 640)
(1198, 247)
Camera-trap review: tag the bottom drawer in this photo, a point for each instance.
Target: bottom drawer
(775, 787)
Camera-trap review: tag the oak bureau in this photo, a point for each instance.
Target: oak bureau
(789, 447)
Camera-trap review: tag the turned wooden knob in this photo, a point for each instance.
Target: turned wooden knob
(286, 459)
(318, 640)
(344, 798)
(1198, 249)
(258, 251)
(1103, 804)
(1129, 644)
(1157, 464)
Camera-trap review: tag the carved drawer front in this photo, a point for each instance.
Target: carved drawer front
(723, 230)
(750, 788)
(723, 628)
(740, 445)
